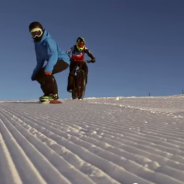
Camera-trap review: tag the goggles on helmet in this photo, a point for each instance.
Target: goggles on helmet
(36, 32)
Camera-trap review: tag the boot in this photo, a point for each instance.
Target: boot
(50, 97)
(42, 97)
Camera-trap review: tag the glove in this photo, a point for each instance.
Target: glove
(48, 73)
(93, 60)
(33, 78)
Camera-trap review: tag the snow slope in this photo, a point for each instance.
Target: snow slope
(94, 141)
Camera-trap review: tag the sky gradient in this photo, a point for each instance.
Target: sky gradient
(138, 45)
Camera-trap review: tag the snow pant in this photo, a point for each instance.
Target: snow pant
(48, 83)
(73, 66)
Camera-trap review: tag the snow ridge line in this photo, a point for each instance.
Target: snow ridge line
(123, 139)
(10, 175)
(112, 169)
(25, 160)
(129, 137)
(21, 161)
(109, 180)
(139, 108)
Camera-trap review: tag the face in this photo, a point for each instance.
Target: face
(36, 33)
(80, 44)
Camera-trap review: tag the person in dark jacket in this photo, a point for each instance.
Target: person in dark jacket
(57, 60)
(76, 54)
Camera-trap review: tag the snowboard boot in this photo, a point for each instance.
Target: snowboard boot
(49, 97)
(43, 97)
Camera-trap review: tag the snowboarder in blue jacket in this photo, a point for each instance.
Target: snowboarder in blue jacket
(57, 60)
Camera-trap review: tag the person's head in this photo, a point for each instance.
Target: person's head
(80, 43)
(36, 30)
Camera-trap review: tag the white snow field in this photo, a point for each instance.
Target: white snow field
(135, 140)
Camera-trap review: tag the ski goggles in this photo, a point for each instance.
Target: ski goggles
(36, 32)
(80, 44)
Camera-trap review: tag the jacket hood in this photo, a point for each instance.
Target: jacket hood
(45, 36)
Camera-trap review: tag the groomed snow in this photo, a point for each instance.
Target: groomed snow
(121, 140)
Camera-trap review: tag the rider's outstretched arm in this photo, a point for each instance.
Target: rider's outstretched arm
(69, 52)
(90, 55)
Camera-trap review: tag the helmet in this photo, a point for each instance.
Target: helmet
(36, 30)
(80, 43)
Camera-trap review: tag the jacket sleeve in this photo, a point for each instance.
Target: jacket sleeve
(38, 67)
(52, 52)
(69, 52)
(89, 54)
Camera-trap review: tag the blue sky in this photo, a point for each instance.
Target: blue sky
(138, 45)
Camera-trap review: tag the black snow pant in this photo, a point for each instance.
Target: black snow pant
(73, 66)
(48, 83)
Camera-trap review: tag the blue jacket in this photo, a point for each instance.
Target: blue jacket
(48, 50)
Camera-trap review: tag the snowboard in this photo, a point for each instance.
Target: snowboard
(50, 101)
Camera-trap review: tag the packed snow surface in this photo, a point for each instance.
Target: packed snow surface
(121, 140)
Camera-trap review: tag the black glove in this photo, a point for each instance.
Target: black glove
(33, 78)
(93, 60)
